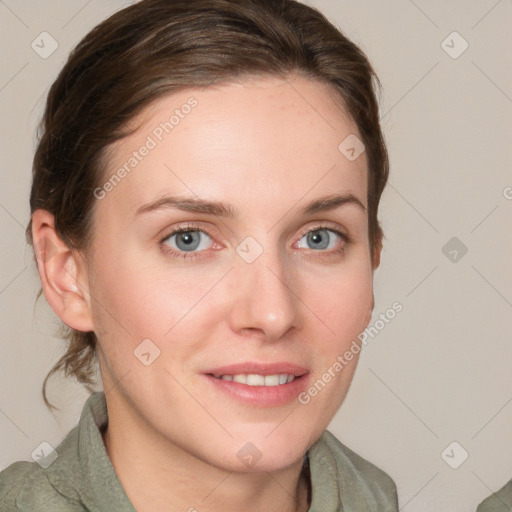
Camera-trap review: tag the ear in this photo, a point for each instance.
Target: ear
(62, 272)
(369, 312)
(377, 249)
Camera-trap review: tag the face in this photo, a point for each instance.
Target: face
(235, 244)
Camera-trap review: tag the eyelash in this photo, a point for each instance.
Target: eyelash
(201, 254)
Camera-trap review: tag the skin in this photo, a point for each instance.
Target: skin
(267, 147)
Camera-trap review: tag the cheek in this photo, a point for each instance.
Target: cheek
(134, 301)
(342, 302)
(126, 306)
(343, 308)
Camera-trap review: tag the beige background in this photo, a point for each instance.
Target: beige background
(437, 373)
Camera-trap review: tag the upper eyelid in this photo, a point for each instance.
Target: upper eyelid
(184, 227)
(197, 227)
(323, 225)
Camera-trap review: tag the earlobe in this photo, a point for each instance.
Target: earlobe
(377, 249)
(369, 313)
(62, 277)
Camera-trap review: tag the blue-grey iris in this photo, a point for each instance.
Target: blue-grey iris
(319, 237)
(188, 240)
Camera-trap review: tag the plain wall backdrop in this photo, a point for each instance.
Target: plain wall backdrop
(440, 371)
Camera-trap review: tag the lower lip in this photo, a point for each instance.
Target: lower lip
(262, 396)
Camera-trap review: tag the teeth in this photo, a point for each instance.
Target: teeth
(253, 379)
(271, 380)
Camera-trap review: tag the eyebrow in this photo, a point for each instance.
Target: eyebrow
(218, 208)
(331, 202)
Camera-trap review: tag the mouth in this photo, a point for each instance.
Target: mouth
(264, 385)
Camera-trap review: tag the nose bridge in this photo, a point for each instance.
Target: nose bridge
(265, 300)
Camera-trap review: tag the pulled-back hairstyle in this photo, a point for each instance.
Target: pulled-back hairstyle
(154, 48)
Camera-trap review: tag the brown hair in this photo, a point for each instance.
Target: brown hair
(157, 47)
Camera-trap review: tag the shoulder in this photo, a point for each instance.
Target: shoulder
(24, 487)
(500, 501)
(363, 467)
(12, 480)
(55, 482)
(357, 480)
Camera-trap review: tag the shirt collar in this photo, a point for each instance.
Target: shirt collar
(98, 484)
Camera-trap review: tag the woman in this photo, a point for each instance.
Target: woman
(204, 218)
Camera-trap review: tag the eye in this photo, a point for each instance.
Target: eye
(320, 239)
(188, 240)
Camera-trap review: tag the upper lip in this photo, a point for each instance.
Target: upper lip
(259, 369)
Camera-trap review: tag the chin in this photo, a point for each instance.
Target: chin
(268, 452)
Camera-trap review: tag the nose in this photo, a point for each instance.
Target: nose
(265, 301)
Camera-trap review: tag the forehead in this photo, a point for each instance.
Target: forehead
(249, 139)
